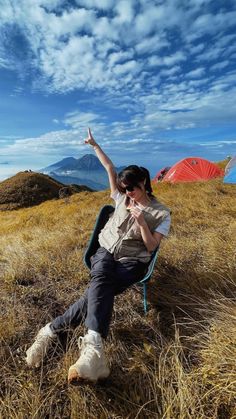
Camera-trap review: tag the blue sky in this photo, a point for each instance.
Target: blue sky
(154, 79)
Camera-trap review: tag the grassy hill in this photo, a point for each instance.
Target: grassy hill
(177, 362)
(26, 189)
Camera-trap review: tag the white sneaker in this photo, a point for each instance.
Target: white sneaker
(92, 364)
(36, 353)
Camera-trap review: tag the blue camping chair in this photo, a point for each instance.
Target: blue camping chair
(93, 245)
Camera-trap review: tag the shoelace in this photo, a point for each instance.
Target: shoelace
(88, 348)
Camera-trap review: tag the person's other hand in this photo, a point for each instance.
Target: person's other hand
(90, 140)
(137, 214)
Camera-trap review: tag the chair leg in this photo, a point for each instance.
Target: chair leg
(145, 306)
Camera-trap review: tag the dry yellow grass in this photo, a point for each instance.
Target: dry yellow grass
(176, 362)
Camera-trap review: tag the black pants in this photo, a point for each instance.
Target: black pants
(108, 278)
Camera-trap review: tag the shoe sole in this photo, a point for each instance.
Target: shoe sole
(75, 379)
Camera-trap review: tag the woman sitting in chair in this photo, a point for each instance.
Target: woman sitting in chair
(127, 241)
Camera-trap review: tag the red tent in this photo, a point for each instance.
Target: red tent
(192, 169)
(159, 176)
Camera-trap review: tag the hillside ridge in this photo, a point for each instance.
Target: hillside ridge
(29, 188)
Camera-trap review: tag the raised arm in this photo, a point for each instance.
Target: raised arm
(105, 161)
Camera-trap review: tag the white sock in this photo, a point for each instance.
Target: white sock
(96, 335)
(48, 331)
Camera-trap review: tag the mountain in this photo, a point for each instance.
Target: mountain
(60, 164)
(28, 188)
(69, 180)
(87, 162)
(86, 170)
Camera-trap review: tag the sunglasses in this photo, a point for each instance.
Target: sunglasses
(128, 188)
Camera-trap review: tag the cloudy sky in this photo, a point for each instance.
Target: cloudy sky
(154, 79)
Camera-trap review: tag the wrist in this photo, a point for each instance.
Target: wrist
(143, 224)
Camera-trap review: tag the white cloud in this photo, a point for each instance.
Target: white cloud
(72, 22)
(6, 12)
(161, 16)
(197, 48)
(166, 111)
(93, 45)
(198, 83)
(229, 50)
(199, 3)
(224, 40)
(170, 71)
(96, 4)
(104, 29)
(78, 119)
(125, 12)
(4, 63)
(212, 53)
(212, 23)
(169, 60)
(119, 57)
(131, 67)
(145, 22)
(220, 66)
(175, 58)
(199, 72)
(152, 44)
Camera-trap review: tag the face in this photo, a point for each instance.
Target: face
(134, 192)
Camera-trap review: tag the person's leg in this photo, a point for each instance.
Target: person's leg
(101, 292)
(49, 333)
(92, 364)
(100, 289)
(73, 316)
(128, 273)
(109, 278)
(37, 351)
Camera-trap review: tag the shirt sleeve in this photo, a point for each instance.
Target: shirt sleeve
(164, 227)
(117, 196)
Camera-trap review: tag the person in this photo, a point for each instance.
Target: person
(127, 241)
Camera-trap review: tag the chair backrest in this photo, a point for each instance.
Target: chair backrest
(93, 245)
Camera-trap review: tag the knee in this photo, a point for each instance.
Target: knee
(100, 272)
(100, 277)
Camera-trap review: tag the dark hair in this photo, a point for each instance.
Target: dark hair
(132, 176)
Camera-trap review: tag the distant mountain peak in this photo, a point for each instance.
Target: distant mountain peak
(86, 170)
(89, 162)
(67, 161)
(88, 156)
